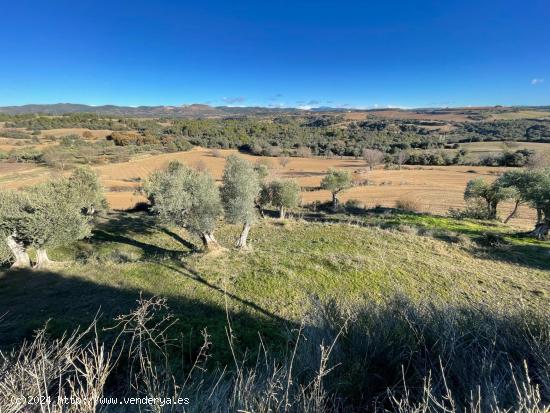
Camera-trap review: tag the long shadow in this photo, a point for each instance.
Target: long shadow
(196, 276)
(178, 238)
(30, 299)
(127, 222)
(150, 252)
(119, 227)
(387, 342)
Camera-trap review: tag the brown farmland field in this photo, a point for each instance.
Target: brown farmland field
(434, 188)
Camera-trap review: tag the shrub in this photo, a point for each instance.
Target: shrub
(475, 209)
(409, 204)
(130, 138)
(216, 153)
(354, 206)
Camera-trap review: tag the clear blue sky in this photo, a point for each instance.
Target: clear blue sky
(292, 53)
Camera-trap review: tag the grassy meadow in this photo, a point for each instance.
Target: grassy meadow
(424, 258)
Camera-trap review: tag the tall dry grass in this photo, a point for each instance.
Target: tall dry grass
(395, 356)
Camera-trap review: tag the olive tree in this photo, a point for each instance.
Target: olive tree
(283, 195)
(5, 251)
(373, 157)
(491, 193)
(336, 181)
(14, 209)
(48, 215)
(55, 219)
(241, 185)
(401, 158)
(87, 191)
(188, 198)
(534, 189)
(514, 180)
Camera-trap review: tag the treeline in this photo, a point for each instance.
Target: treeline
(322, 133)
(76, 120)
(74, 150)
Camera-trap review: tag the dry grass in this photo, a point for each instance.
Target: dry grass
(372, 358)
(405, 114)
(439, 187)
(522, 114)
(409, 204)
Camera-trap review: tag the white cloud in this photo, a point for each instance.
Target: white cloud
(536, 81)
(233, 100)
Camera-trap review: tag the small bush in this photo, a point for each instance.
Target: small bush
(354, 206)
(475, 209)
(216, 153)
(409, 204)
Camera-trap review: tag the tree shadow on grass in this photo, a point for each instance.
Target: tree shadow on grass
(119, 228)
(30, 299)
(194, 275)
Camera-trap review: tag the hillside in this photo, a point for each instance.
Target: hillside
(397, 299)
(289, 264)
(206, 111)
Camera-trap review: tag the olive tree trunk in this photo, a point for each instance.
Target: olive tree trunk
(541, 229)
(335, 201)
(42, 259)
(282, 213)
(539, 215)
(514, 211)
(492, 208)
(209, 242)
(22, 259)
(241, 242)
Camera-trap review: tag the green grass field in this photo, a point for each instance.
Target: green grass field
(268, 289)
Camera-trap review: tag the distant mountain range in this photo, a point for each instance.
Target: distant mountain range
(206, 111)
(184, 111)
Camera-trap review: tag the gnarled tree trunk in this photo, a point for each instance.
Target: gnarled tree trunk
(241, 242)
(22, 259)
(539, 215)
(209, 242)
(282, 213)
(492, 207)
(541, 229)
(42, 259)
(514, 211)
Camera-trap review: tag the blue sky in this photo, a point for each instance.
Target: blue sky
(276, 53)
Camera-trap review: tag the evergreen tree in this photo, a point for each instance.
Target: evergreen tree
(534, 189)
(283, 195)
(55, 218)
(336, 181)
(184, 197)
(14, 211)
(240, 189)
(490, 192)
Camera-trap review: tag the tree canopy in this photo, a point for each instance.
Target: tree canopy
(241, 185)
(336, 181)
(490, 192)
(533, 187)
(185, 197)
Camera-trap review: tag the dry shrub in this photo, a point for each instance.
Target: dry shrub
(283, 161)
(409, 204)
(390, 356)
(216, 153)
